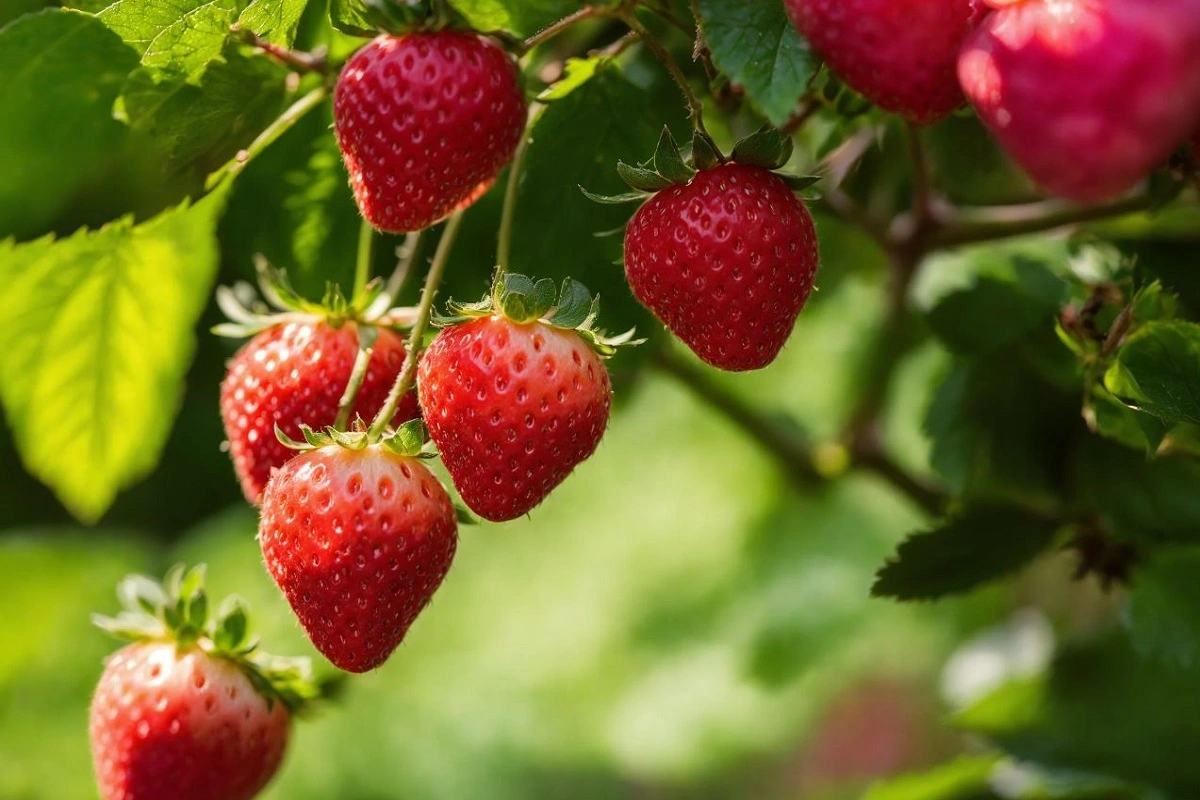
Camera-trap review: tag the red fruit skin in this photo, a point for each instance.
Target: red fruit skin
(513, 408)
(296, 373)
(900, 54)
(1088, 96)
(358, 541)
(182, 726)
(726, 261)
(426, 121)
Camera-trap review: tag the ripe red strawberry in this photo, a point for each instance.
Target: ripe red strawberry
(190, 711)
(726, 261)
(425, 122)
(900, 54)
(1088, 96)
(172, 725)
(514, 405)
(295, 373)
(358, 541)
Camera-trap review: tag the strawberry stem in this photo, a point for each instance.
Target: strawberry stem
(282, 124)
(362, 264)
(695, 108)
(404, 381)
(509, 213)
(555, 28)
(365, 348)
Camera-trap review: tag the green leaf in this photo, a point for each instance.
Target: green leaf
(576, 72)
(60, 72)
(95, 344)
(1158, 371)
(519, 17)
(1130, 427)
(139, 22)
(1163, 614)
(642, 179)
(352, 17)
(964, 779)
(704, 153)
(1144, 501)
(275, 21)
(185, 47)
(575, 305)
(668, 162)
(1103, 709)
(756, 45)
(980, 545)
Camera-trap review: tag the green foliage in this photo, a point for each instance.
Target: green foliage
(276, 21)
(1163, 615)
(519, 17)
(964, 779)
(92, 363)
(757, 47)
(58, 122)
(981, 544)
(1158, 371)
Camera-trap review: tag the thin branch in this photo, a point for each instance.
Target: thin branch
(805, 111)
(922, 206)
(316, 61)
(971, 225)
(663, 10)
(280, 126)
(509, 212)
(782, 442)
(555, 28)
(366, 253)
(408, 375)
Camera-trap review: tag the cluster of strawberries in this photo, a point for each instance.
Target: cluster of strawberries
(1089, 96)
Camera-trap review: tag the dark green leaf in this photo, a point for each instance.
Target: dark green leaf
(980, 545)
(574, 305)
(520, 17)
(1163, 615)
(668, 162)
(762, 149)
(1158, 371)
(704, 153)
(60, 72)
(120, 326)
(758, 48)
(274, 20)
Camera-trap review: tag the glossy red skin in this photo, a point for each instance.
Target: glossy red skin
(171, 726)
(900, 54)
(513, 408)
(358, 541)
(296, 373)
(425, 122)
(1088, 96)
(726, 262)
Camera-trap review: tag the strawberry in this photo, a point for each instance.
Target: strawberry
(1088, 96)
(189, 712)
(900, 54)
(426, 121)
(294, 373)
(726, 260)
(515, 397)
(358, 539)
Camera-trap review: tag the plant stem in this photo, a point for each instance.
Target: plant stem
(280, 126)
(668, 16)
(695, 108)
(921, 183)
(509, 213)
(357, 375)
(407, 376)
(792, 453)
(555, 28)
(366, 253)
(973, 225)
(315, 61)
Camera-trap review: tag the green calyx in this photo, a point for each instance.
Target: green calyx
(410, 440)
(281, 303)
(178, 610)
(523, 300)
(767, 148)
(398, 17)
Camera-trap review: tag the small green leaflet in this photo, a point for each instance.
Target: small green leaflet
(1158, 371)
(519, 17)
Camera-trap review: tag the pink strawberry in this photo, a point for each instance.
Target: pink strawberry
(1088, 96)
(726, 261)
(294, 373)
(900, 54)
(426, 121)
(358, 541)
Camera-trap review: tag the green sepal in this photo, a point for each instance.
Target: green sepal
(289, 442)
(705, 154)
(798, 183)
(464, 515)
(641, 178)
(668, 162)
(614, 199)
(350, 440)
(767, 148)
(177, 610)
(399, 17)
(409, 440)
(571, 307)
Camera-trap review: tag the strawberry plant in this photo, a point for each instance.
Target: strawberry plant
(900, 304)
